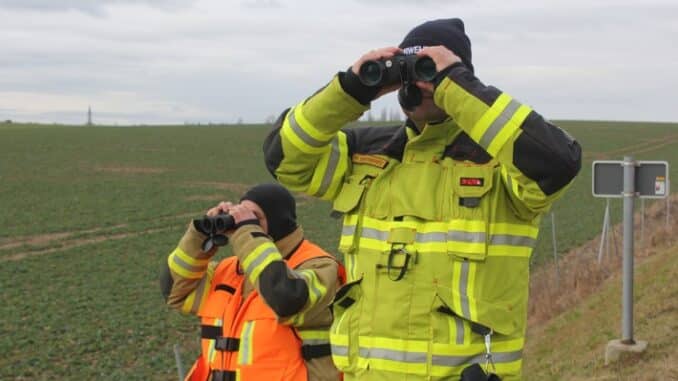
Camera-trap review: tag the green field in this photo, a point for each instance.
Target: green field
(88, 215)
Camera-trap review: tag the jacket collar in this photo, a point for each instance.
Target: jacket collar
(289, 243)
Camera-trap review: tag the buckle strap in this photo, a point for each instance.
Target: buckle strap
(210, 331)
(223, 375)
(309, 352)
(228, 344)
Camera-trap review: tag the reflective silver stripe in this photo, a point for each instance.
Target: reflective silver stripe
(310, 277)
(190, 268)
(460, 330)
(497, 357)
(512, 240)
(315, 341)
(332, 164)
(339, 350)
(306, 138)
(348, 230)
(246, 340)
(499, 123)
(198, 295)
(469, 237)
(374, 234)
(393, 355)
(431, 237)
(463, 288)
(260, 259)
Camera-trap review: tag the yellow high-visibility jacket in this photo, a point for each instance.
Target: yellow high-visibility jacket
(438, 226)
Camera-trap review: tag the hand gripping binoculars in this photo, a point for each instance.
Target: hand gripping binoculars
(400, 68)
(405, 69)
(214, 228)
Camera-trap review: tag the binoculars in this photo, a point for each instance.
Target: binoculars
(399, 68)
(218, 224)
(214, 228)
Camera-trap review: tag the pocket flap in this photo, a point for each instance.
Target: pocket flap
(347, 295)
(348, 198)
(472, 180)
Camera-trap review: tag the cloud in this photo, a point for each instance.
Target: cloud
(218, 61)
(92, 7)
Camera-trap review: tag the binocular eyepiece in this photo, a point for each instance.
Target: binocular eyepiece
(214, 228)
(218, 224)
(399, 68)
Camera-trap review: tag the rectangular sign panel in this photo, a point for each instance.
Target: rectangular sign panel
(652, 179)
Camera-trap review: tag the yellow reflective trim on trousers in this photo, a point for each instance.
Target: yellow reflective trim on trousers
(287, 132)
(508, 130)
(485, 121)
(330, 169)
(259, 258)
(185, 265)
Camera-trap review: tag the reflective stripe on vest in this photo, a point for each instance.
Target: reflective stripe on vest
(255, 329)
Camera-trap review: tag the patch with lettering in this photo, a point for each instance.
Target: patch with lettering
(471, 181)
(372, 160)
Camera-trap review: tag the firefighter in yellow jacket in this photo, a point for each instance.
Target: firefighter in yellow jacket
(265, 310)
(440, 215)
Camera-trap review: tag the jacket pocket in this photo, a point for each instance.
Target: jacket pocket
(470, 209)
(345, 328)
(348, 198)
(417, 189)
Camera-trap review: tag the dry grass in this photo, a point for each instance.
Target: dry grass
(581, 274)
(572, 321)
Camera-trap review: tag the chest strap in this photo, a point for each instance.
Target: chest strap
(224, 375)
(309, 352)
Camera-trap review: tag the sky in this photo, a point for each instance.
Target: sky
(224, 61)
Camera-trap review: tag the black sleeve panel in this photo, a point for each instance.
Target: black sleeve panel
(351, 84)
(166, 281)
(273, 153)
(369, 140)
(546, 154)
(465, 78)
(286, 296)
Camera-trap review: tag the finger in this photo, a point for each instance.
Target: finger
(427, 86)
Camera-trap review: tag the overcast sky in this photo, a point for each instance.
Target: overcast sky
(178, 61)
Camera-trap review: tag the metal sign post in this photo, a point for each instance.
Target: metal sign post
(628, 179)
(627, 292)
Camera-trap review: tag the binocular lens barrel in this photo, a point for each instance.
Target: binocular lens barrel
(399, 68)
(371, 73)
(425, 69)
(218, 224)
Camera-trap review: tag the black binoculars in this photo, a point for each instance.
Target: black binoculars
(214, 228)
(218, 224)
(400, 68)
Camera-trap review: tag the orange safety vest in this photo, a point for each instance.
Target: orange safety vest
(241, 338)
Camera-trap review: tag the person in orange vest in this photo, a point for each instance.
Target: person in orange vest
(265, 310)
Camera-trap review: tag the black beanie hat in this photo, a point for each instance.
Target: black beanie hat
(278, 205)
(447, 32)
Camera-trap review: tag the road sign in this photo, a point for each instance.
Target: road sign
(651, 179)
